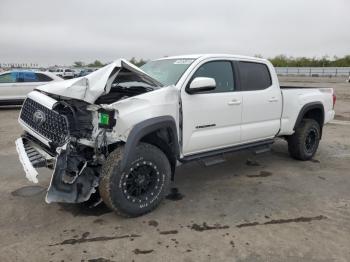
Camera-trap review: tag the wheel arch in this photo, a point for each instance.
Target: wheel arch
(154, 131)
(314, 110)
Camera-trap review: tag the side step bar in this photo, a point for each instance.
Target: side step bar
(260, 146)
(262, 149)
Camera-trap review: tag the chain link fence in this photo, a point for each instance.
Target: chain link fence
(313, 71)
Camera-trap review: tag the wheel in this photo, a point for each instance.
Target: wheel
(141, 186)
(303, 144)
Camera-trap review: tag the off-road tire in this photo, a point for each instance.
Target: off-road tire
(297, 143)
(113, 180)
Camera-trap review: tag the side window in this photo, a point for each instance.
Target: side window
(8, 78)
(254, 76)
(221, 71)
(26, 77)
(43, 78)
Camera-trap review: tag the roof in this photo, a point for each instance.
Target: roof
(196, 56)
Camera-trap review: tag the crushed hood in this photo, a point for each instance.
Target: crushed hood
(89, 88)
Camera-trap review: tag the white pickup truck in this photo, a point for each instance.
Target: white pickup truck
(120, 132)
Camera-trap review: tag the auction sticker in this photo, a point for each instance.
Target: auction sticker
(183, 61)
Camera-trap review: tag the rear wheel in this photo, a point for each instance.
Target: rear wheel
(303, 144)
(141, 186)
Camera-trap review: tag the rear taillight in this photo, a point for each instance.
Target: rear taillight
(334, 99)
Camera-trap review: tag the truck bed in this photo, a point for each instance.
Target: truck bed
(294, 98)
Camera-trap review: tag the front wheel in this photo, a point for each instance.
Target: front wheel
(303, 144)
(141, 186)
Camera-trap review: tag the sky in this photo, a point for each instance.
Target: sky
(60, 32)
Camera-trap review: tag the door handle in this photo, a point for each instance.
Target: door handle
(273, 99)
(234, 102)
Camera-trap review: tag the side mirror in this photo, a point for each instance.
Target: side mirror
(200, 84)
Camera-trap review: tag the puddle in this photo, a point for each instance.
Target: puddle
(169, 232)
(28, 191)
(139, 251)
(283, 221)
(86, 208)
(100, 259)
(153, 223)
(295, 220)
(251, 162)
(174, 195)
(205, 227)
(262, 174)
(84, 239)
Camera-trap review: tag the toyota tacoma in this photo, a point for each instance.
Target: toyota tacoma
(120, 132)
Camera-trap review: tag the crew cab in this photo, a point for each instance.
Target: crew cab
(120, 132)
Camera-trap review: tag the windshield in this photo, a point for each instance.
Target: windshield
(167, 71)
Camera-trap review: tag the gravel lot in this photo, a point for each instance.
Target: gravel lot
(264, 207)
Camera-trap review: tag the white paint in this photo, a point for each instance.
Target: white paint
(89, 87)
(30, 172)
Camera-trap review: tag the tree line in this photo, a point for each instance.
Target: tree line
(98, 63)
(277, 61)
(325, 61)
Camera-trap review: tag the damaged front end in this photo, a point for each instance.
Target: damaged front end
(69, 127)
(61, 135)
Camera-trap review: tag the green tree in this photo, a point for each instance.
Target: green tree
(96, 63)
(78, 64)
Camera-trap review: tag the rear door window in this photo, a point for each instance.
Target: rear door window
(254, 76)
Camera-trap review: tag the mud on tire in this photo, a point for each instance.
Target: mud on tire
(141, 186)
(303, 144)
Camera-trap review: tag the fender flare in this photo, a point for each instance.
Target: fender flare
(305, 109)
(144, 128)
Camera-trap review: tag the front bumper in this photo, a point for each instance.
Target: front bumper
(32, 156)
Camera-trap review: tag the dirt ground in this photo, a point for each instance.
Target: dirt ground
(264, 207)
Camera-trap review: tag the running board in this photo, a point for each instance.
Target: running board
(208, 154)
(262, 149)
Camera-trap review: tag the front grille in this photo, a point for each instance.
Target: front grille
(45, 122)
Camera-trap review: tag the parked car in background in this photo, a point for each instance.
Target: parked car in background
(85, 72)
(65, 73)
(76, 72)
(15, 85)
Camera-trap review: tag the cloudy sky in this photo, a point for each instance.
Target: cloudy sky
(60, 32)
